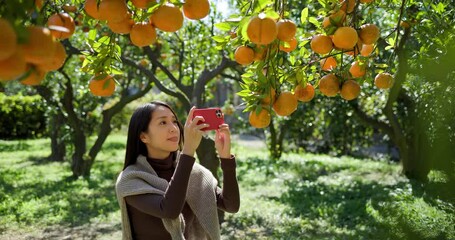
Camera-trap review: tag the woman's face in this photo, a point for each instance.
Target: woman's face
(163, 134)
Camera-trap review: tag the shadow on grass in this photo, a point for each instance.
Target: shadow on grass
(10, 147)
(65, 201)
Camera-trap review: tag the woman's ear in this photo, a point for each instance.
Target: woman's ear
(143, 137)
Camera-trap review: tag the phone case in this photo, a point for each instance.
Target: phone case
(212, 116)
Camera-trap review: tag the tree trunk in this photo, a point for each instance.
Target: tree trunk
(58, 148)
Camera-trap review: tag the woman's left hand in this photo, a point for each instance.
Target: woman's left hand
(223, 141)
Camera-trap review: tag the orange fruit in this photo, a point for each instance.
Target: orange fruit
(8, 40)
(91, 8)
(142, 3)
(366, 1)
(292, 46)
(196, 9)
(167, 18)
(122, 27)
(304, 94)
(383, 80)
(321, 44)
(35, 76)
(103, 87)
(262, 30)
(328, 64)
(63, 20)
(345, 38)
(329, 85)
(69, 8)
(13, 67)
(350, 90)
(356, 49)
(40, 46)
(285, 104)
(367, 49)
(260, 120)
(260, 52)
(39, 3)
(244, 55)
(286, 30)
(142, 34)
(347, 5)
(357, 69)
(270, 97)
(57, 60)
(369, 33)
(113, 10)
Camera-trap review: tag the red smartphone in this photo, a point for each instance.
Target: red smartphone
(212, 116)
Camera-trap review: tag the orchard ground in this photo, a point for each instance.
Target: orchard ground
(302, 196)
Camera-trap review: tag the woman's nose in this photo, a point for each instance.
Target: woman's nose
(173, 128)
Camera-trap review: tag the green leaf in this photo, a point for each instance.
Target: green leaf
(314, 21)
(272, 14)
(92, 34)
(292, 60)
(223, 26)
(304, 16)
(219, 39)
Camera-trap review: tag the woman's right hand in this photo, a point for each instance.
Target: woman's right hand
(192, 133)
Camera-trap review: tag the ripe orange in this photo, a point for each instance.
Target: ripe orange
(367, 49)
(345, 38)
(260, 120)
(142, 34)
(286, 30)
(285, 104)
(262, 30)
(196, 9)
(57, 60)
(356, 49)
(337, 18)
(8, 40)
(369, 33)
(270, 97)
(383, 80)
(35, 76)
(350, 90)
(167, 18)
(69, 8)
(91, 8)
(321, 44)
(366, 1)
(12, 67)
(104, 87)
(40, 47)
(347, 5)
(304, 94)
(122, 27)
(358, 69)
(113, 10)
(244, 55)
(63, 20)
(328, 64)
(329, 85)
(142, 3)
(39, 4)
(260, 52)
(292, 46)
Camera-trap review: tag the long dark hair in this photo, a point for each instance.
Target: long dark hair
(139, 123)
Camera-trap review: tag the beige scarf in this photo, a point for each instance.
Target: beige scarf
(140, 178)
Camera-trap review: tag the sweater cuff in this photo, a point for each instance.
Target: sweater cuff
(228, 163)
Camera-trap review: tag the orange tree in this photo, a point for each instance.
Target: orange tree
(124, 48)
(358, 52)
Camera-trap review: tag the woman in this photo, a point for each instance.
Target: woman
(162, 192)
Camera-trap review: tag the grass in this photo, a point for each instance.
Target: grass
(302, 196)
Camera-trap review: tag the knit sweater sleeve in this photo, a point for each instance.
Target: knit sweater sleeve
(170, 204)
(228, 198)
